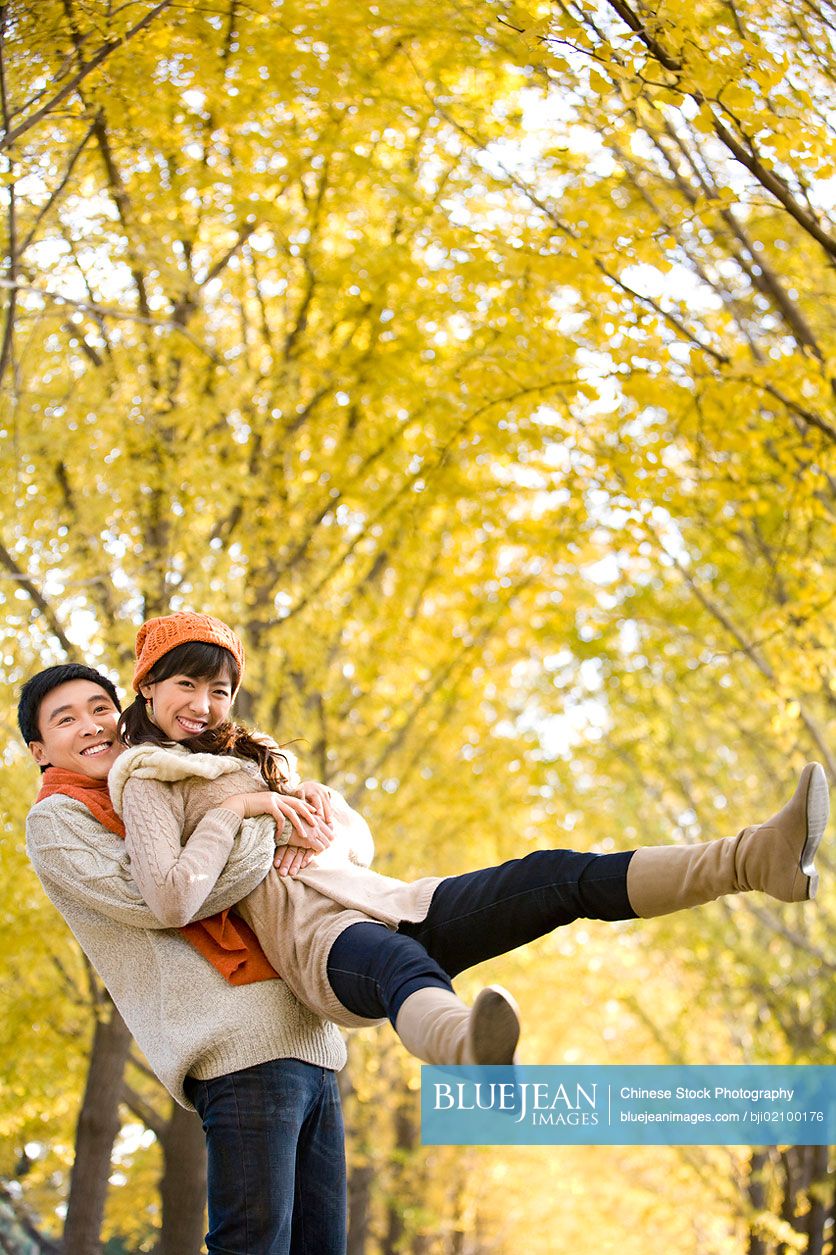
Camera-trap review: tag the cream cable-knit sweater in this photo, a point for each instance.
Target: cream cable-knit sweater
(166, 794)
(182, 1013)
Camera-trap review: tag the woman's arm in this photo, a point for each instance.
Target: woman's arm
(303, 830)
(175, 880)
(298, 821)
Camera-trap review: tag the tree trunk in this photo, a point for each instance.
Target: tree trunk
(183, 1184)
(816, 1219)
(792, 1164)
(406, 1140)
(360, 1167)
(757, 1197)
(98, 1124)
(360, 1180)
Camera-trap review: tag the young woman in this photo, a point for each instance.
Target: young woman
(355, 946)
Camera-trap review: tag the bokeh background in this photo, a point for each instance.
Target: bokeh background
(476, 361)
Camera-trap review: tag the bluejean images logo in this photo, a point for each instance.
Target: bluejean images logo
(629, 1105)
(540, 1102)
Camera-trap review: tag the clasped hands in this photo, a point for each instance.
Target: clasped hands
(307, 808)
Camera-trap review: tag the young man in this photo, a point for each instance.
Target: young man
(257, 1065)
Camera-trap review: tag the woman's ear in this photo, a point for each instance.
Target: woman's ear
(146, 690)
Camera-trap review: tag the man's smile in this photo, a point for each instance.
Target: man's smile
(101, 747)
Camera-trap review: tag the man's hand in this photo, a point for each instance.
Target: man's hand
(316, 799)
(291, 859)
(296, 855)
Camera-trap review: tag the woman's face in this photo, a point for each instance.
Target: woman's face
(183, 706)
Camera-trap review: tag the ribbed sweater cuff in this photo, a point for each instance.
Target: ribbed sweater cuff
(227, 819)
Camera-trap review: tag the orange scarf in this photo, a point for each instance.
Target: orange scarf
(228, 943)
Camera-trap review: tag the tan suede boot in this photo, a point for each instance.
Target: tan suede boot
(438, 1027)
(775, 857)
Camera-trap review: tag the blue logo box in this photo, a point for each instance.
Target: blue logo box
(631, 1105)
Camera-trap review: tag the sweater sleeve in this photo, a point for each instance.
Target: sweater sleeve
(73, 853)
(353, 840)
(181, 882)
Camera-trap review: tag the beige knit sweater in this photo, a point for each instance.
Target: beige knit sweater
(184, 1016)
(165, 796)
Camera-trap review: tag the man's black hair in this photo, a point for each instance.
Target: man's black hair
(35, 690)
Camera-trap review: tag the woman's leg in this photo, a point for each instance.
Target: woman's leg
(405, 975)
(482, 914)
(373, 970)
(276, 1160)
(376, 972)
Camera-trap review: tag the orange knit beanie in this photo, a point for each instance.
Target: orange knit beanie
(157, 637)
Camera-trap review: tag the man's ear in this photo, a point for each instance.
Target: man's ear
(36, 749)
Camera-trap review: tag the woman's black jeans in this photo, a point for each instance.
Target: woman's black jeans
(474, 917)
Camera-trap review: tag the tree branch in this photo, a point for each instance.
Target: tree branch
(104, 311)
(747, 157)
(37, 598)
(9, 137)
(143, 1110)
(774, 184)
(757, 660)
(56, 193)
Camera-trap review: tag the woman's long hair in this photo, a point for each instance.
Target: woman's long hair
(200, 661)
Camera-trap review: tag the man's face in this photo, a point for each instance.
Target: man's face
(77, 722)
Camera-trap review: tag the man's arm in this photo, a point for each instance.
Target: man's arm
(69, 849)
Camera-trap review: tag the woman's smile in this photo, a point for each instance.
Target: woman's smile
(185, 706)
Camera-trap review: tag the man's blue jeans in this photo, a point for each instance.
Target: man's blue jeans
(276, 1148)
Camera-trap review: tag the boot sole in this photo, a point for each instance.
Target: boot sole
(817, 810)
(494, 1027)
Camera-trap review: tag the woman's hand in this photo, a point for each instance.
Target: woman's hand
(293, 857)
(318, 796)
(311, 830)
